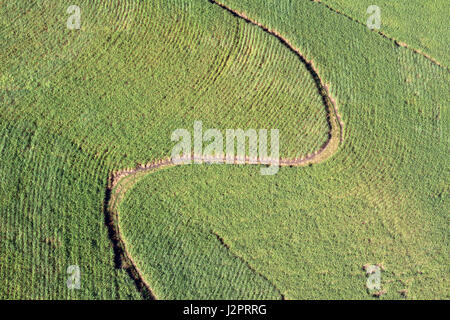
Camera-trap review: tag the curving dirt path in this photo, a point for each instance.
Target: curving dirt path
(121, 181)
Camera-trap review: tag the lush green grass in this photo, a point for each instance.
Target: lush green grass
(309, 235)
(109, 96)
(136, 71)
(180, 255)
(381, 199)
(421, 24)
(114, 92)
(51, 217)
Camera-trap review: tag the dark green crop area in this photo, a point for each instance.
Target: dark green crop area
(78, 105)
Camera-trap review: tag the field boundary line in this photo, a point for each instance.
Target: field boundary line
(118, 185)
(121, 181)
(398, 43)
(249, 266)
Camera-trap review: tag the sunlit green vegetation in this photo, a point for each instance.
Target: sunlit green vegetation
(183, 257)
(381, 200)
(51, 218)
(77, 105)
(422, 25)
(136, 71)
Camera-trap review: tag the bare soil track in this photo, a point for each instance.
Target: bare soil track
(121, 181)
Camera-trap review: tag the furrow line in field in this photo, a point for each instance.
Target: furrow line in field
(397, 42)
(223, 243)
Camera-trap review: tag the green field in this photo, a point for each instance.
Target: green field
(120, 88)
(51, 218)
(422, 25)
(80, 105)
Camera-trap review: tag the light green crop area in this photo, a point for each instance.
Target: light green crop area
(137, 71)
(77, 105)
(382, 199)
(310, 235)
(112, 93)
(181, 256)
(423, 25)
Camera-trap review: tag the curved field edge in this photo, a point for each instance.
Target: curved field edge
(208, 269)
(108, 158)
(397, 165)
(396, 150)
(122, 181)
